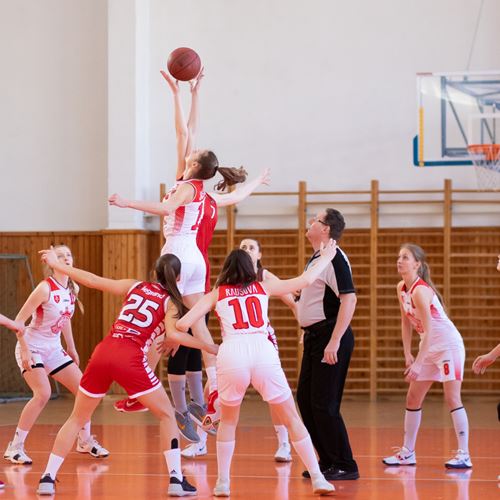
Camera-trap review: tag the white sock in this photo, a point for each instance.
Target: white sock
(212, 378)
(305, 449)
(84, 434)
(53, 465)
(461, 424)
(412, 424)
(225, 450)
(281, 434)
(202, 435)
(173, 459)
(19, 437)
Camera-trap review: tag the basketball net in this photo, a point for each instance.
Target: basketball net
(486, 160)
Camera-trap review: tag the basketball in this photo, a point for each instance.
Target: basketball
(184, 64)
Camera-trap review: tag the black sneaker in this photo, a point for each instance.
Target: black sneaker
(182, 488)
(341, 475)
(46, 486)
(322, 468)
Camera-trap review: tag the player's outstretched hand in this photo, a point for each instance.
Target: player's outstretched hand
(49, 256)
(195, 82)
(173, 84)
(212, 349)
(482, 362)
(167, 347)
(329, 250)
(265, 177)
(116, 200)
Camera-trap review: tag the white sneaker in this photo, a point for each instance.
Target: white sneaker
(284, 453)
(221, 489)
(460, 461)
(195, 450)
(321, 486)
(16, 454)
(46, 486)
(403, 456)
(92, 447)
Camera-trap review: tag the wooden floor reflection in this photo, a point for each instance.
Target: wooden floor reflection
(136, 469)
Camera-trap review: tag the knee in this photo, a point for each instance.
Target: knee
(453, 401)
(413, 401)
(41, 397)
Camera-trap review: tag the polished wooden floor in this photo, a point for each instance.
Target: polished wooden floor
(136, 470)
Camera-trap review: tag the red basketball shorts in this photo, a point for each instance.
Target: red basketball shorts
(118, 360)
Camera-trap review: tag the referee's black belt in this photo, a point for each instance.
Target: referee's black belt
(320, 326)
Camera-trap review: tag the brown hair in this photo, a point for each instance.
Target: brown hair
(423, 271)
(167, 270)
(48, 271)
(335, 220)
(237, 270)
(209, 166)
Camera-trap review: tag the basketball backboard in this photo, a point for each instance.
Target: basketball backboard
(455, 110)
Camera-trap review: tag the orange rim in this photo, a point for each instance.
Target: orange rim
(491, 152)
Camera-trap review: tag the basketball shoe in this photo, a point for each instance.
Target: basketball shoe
(195, 450)
(92, 447)
(177, 488)
(46, 486)
(221, 489)
(129, 405)
(186, 427)
(284, 453)
(403, 456)
(198, 413)
(461, 460)
(16, 454)
(212, 418)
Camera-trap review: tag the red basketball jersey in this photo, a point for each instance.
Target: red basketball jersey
(142, 314)
(206, 231)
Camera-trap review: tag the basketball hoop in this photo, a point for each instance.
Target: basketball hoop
(486, 159)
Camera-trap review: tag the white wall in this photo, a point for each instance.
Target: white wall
(53, 115)
(320, 90)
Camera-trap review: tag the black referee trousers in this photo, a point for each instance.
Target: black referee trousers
(319, 395)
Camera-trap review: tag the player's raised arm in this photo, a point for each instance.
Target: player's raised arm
(243, 191)
(184, 194)
(181, 130)
(117, 287)
(275, 286)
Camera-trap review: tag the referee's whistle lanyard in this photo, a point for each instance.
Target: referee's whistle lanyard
(314, 256)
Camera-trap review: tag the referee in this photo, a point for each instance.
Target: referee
(325, 310)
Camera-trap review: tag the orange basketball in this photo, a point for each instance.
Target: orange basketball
(184, 64)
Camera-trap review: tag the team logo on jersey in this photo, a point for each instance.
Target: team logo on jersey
(63, 319)
(57, 299)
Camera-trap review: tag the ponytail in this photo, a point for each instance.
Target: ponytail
(231, 176)
(423, 271)
(209, 166)
(168, 269)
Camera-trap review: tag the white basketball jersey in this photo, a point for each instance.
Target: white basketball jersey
(444, 334)
(242, 310)
(186, 219)
(50, 317)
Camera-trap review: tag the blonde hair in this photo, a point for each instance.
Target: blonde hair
(73, 288)
(423, 271)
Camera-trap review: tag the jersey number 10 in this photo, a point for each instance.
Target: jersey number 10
(254, 313)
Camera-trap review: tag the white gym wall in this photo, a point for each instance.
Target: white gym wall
(322, 91)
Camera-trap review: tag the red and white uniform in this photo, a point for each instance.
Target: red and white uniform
(206, 232)
(180, 229)
(246, 356)
(121, 356)
(445, 357)
(43, 335)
